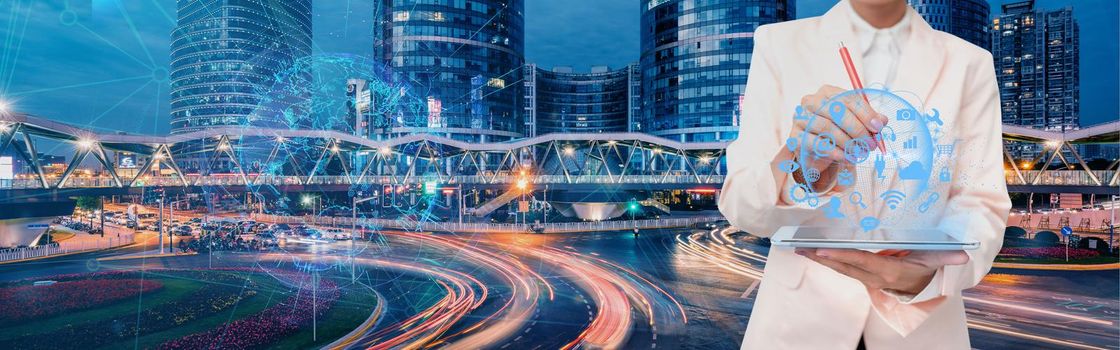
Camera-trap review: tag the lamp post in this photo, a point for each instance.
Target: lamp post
(353, 229)
(307, 200)
(522, 186)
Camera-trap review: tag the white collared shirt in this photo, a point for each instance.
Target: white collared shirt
(881, 49)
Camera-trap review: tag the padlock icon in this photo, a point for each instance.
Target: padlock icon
(945, 175)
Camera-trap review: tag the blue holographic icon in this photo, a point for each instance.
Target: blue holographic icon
(869, 223)
(893, 198)
(832, 209)
(924, 207)
(856, 198)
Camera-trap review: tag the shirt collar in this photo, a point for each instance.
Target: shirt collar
(898, 33)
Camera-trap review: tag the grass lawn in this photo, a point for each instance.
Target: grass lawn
(59, 236)
(353, 307)
(172, 289)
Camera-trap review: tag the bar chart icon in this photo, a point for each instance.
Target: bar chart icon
(911, 143)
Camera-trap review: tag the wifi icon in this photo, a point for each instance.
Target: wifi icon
(893, 198)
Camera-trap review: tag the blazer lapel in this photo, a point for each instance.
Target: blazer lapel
(921, 62)
(836, 29)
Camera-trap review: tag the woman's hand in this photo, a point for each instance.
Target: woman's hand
(907, 273)
(854, 119)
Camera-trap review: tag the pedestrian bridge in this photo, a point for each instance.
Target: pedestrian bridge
(257, 157)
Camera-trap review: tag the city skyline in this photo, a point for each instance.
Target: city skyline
(113, 75)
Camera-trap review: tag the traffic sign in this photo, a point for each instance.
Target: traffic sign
(1066, 231)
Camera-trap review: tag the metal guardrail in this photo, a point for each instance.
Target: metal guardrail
(407, 224)
(63, 247)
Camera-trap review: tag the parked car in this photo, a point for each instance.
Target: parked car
(281, 229)
(337, 234)
(184, 230)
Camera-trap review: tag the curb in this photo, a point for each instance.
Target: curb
(1058, 267)
(149, 256)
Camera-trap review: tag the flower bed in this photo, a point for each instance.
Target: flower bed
(1048, 253)
(22, 302)
(223, 291)
(267, 326)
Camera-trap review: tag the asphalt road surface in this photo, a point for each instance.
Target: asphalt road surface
(680, 289)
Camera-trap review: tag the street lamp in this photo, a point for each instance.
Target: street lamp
(353, 229)
(633, 208)
(307, 200)
(522, 185)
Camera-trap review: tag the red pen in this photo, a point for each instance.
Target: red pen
(856, 84)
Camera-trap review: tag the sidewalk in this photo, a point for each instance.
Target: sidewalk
(80, 242)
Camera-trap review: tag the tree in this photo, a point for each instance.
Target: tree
(89, 204)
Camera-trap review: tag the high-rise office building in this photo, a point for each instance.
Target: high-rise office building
(695, 55)
(967, 19)
(564, 101)
(1036, 61)
(225, 53)
(464, 57)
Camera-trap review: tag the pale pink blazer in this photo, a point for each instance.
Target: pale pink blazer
(804, 305)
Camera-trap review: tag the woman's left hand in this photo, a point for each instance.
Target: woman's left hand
(899, 273)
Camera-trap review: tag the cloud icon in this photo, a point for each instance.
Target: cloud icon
(914, 171)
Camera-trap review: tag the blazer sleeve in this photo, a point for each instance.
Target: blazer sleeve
(978, 201)
(752, 187)
(977, 207)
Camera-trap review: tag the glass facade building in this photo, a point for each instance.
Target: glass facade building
(464, 57)
(568, 102)
(695, 56)
(1037, 65)
(225, 53)
(967, 19)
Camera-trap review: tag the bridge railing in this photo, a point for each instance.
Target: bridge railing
(1059, 177)
(269, 180)
(409, 224)
(1049, 178)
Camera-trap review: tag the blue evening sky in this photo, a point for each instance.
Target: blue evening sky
(101, 63)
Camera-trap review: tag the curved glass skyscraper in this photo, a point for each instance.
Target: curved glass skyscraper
(224, 53)
(464, 57)
(695, 59)
(967, 19)
(569, 102)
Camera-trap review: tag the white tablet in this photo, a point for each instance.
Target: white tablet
(882, 238)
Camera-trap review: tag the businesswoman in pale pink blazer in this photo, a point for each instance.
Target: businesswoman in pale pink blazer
(849, 299)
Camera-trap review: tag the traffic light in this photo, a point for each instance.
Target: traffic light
(633, 206)
(430, 187)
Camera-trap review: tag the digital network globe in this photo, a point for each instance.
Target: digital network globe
(900, 186)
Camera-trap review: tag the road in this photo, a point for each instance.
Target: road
(670, 289)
